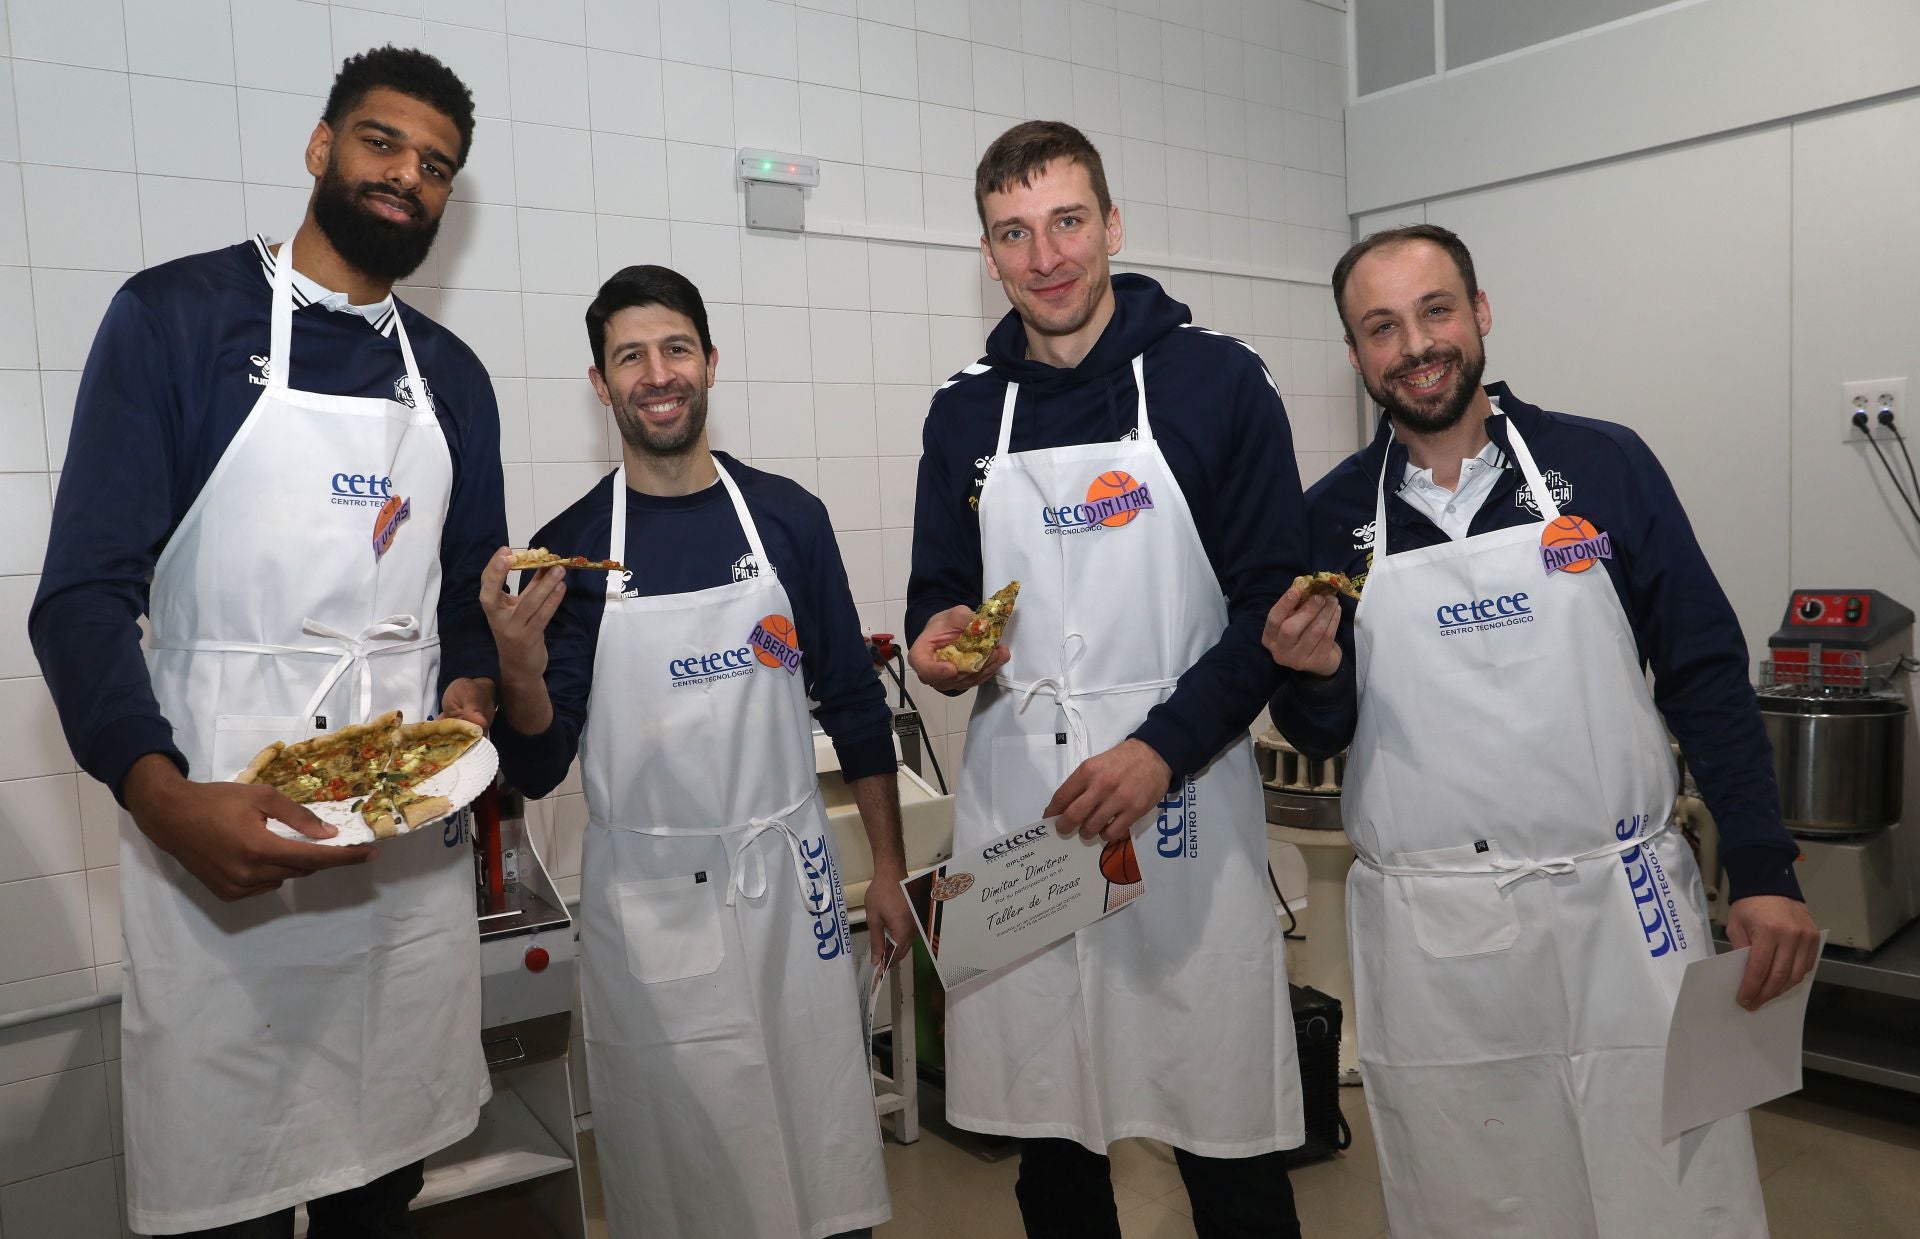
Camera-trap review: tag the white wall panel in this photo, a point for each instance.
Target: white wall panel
(1623, 292)
(1631, 87)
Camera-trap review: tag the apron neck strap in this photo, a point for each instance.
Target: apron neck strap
(746, 517)
(280, 337)
(1006, 421)
(1140, 389)
(1380, 500)
(1549, 510)
(280, 334)
(617, 541)
(1140, 414)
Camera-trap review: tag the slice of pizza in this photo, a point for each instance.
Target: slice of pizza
(1325, 585)
(541, 557)
(339, 765)
(969, 650)
(422, 750)
(389, 813)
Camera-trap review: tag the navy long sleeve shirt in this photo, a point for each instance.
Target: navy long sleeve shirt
(173, 373)
(1217, 418)
(682, 543)
(1683, 625)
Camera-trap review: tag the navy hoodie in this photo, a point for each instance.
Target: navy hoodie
(1683, 625)
(1219, 422)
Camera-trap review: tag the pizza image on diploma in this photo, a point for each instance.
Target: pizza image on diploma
(969, 650)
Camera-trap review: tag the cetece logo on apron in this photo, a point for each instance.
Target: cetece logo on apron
(1177, 825)
(1483, 614)
(825, 899)
(360, 490)
(1653, 898)
(775, 643)
(1113, 500)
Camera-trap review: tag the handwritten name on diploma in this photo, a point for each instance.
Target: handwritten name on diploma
(1025, 872)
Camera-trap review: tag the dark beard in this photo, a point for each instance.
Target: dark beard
(643, 438)
(380, 249)
(1444, 411)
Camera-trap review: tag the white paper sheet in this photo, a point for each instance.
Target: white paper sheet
(1723, 1059)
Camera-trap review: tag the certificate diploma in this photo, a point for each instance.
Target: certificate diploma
(998, 903)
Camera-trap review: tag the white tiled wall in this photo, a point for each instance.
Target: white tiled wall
(134, 131)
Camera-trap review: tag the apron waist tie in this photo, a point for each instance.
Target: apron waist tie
(743, 855)
(395, 634)
(1506, 871)
(1068, 698)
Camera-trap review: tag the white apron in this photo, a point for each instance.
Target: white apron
(731, 1094)
(1522, 915)
(1171, 1019)
(310, 1039)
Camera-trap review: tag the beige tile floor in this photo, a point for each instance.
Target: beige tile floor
(1839, 1160)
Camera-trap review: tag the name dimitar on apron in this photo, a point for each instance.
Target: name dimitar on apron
(1173, 1020)
(732, 1095)
(1521, 915)
(300, 1042)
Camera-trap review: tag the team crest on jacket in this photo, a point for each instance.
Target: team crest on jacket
(747, 568)
(1557, 486)
(403, 392)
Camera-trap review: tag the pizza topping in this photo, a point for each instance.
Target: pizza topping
(377, 765)
(1325, 585)
(977, 640)
(541, 557)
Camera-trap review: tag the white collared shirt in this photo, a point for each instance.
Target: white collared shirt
(1453, 510)
(310, 292)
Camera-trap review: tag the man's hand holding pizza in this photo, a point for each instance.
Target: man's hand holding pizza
(519, 624)
(218, 831)
(935, 672)
(1301, 629)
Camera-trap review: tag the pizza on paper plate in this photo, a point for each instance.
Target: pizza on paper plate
(376, 765)
(969, 650)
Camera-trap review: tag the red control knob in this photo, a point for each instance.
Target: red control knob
(536, 959)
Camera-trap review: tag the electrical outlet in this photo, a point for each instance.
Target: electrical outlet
(1871, 394)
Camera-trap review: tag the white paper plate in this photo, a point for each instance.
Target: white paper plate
(471, 774)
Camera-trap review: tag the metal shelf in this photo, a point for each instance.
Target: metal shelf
(1864, 1035)
(1892, 969)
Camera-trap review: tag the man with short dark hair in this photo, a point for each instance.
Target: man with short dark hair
(731, 1091)
(1119, 704)
(1522, 913)
(300, 1021)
